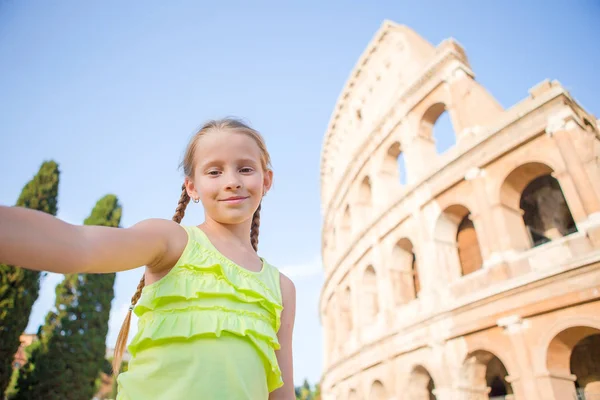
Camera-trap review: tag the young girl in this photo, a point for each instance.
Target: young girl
(215, 319)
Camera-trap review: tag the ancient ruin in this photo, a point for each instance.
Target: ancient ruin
(467, 274)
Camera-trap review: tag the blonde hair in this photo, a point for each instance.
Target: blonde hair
(184, 199)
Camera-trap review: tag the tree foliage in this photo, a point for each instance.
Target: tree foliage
(19, 288)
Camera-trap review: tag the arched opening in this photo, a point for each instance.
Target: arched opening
(575, 351)
(534, 207)
(401, 168)
(443, 133)
(485, 376)
(457, 242)
(346, 228)
(585, 365)
(370, 301)
(467, 244)
(390, 165)
(404, 273)
(378, 391)
(545, 211)
(394, 164)
(346, 311)
(392, 171)
(420, 385)
(437, 126)
(364, 202)
(364, 194)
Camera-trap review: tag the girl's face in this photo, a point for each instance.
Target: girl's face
(228, 176)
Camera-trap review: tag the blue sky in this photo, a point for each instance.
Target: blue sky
(113, 90)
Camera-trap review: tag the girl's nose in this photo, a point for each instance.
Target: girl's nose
(233, 182)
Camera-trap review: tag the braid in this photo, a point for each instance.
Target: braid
(255, 227)
(124, 333)
(181, 206)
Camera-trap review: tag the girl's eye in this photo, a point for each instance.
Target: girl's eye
(213, 173)
(246, 170)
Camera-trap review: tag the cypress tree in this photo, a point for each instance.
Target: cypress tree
(72, 346)
(19, 288)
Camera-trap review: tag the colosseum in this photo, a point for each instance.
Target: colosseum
(468, 274)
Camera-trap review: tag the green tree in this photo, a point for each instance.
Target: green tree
(72, 342)
(19, 288)
(304, 392)
(317, 392)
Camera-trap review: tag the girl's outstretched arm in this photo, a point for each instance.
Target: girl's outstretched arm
(285, 334)
(35, 240)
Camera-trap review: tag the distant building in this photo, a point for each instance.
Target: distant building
(21, 357)
(477, 275)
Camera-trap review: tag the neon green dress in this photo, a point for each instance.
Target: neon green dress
(207, 330)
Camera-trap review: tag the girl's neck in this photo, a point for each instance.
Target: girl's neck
(238, 233)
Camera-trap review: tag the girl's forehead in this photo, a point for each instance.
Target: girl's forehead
(226, 145)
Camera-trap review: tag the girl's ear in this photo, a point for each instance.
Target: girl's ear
(191, 188)
(268, 181)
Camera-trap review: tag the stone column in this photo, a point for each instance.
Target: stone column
(558, 129)
(569, 189)
(385, 296)
(554, 386)
(592, 388)
(514, 236)
(482, 219)
(443, 393)
(419, 156)
(588, 220)
(417, 388)
(525, 386)
(447, 262)
(355, 304)
(424, 247)
(473, 393)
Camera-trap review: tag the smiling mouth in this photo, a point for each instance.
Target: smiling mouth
(235, 199)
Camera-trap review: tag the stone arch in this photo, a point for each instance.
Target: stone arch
(364, 201)
(346, 311)
(370, 300)
(420, 385)
(535, 206)
(393, 167)
(429, 120)
(365, 195)
(585, 365)
(552, 333)
(377, 391)
(406, 284)
(484, 376)
(457, 241)
(469, 252)
(573, 361)
(346, 227)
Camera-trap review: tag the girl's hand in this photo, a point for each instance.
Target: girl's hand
(38, 241)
